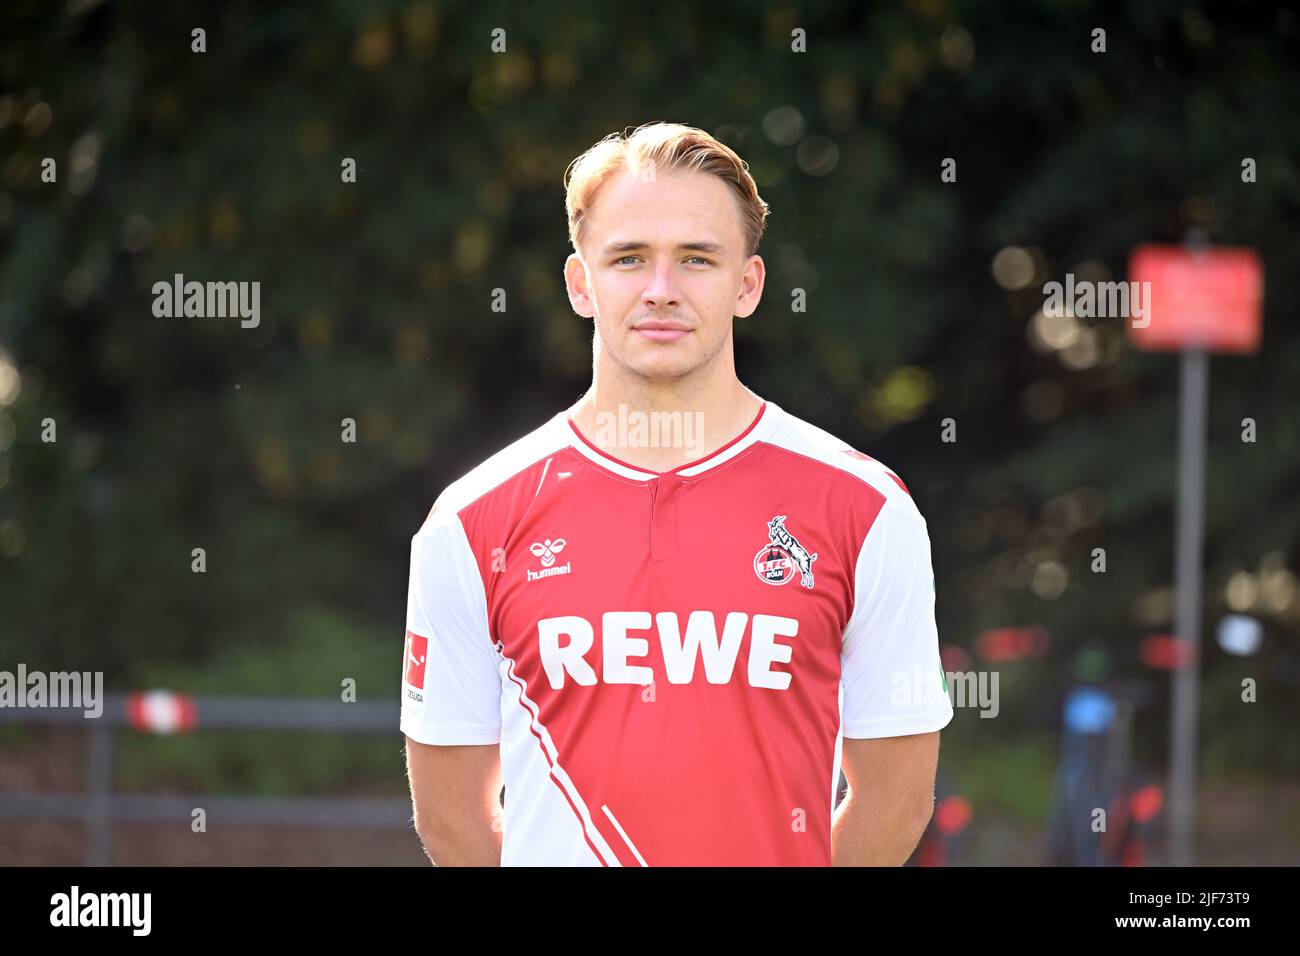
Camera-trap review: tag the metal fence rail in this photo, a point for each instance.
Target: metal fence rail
(98, 807)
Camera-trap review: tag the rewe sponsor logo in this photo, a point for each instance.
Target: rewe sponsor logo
(564, 643)
(102, 909)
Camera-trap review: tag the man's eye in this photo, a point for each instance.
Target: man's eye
(619, 262)
(702, 260)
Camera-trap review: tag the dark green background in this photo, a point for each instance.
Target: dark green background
(225, 165)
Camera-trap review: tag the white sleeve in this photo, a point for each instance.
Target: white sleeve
(451, 688)
(894, 683)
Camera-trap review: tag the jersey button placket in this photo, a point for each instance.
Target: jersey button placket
(664, 494)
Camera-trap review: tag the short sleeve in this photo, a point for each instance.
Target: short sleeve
(894, 683)
(451, 686)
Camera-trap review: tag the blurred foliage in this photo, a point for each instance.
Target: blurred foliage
(1014, 780)
(309, 657)
(225, 165)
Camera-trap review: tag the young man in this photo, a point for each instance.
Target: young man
(668, 649)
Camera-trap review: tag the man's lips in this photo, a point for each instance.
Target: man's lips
(662, 331)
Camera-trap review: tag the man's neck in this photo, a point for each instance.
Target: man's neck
(660, 428)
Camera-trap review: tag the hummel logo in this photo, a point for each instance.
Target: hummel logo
(547, 550)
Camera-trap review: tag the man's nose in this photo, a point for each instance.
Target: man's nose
(661, 290)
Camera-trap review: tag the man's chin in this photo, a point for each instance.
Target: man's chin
(663, 368)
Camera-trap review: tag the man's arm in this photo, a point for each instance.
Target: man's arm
(890, 799)
(451, 693)
(456, 794)
(890, 748)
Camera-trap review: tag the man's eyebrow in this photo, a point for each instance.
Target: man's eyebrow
(634, 245)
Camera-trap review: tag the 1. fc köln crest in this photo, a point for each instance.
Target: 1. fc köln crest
(783, 556)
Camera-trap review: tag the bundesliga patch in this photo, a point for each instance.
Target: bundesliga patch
(783, 556)
(417, 649)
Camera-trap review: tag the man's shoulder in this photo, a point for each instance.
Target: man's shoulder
(887, 502)
(510, 463)
(804, 438)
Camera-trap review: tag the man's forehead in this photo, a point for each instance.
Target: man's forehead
(679, 206)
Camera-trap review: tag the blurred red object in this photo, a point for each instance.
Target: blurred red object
(1166, 652)
(1147, 802)
(952, 815)
(161, 712)
(1011, 643)
(954, 658)
(1199, 299)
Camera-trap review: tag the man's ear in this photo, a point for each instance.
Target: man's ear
(575, 283)
(751, 287)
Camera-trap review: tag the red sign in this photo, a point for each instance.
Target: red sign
(1208, 299)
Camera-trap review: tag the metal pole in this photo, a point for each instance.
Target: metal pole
(99, 784)
(1195, 380)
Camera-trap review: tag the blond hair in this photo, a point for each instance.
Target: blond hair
(662, 146)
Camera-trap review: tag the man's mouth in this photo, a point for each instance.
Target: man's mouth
(662, 331)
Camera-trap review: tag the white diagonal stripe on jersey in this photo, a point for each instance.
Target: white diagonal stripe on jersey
(541, 481)
(623, 833)
(559, 774)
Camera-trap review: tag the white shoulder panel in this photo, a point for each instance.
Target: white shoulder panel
(505, 464)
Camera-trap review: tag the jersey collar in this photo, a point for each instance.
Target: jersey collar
(763, 425)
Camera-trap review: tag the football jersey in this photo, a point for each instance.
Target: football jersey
(669, 662)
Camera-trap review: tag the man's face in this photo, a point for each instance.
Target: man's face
(662, 269)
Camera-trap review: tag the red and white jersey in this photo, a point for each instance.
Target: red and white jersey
(669, 662)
